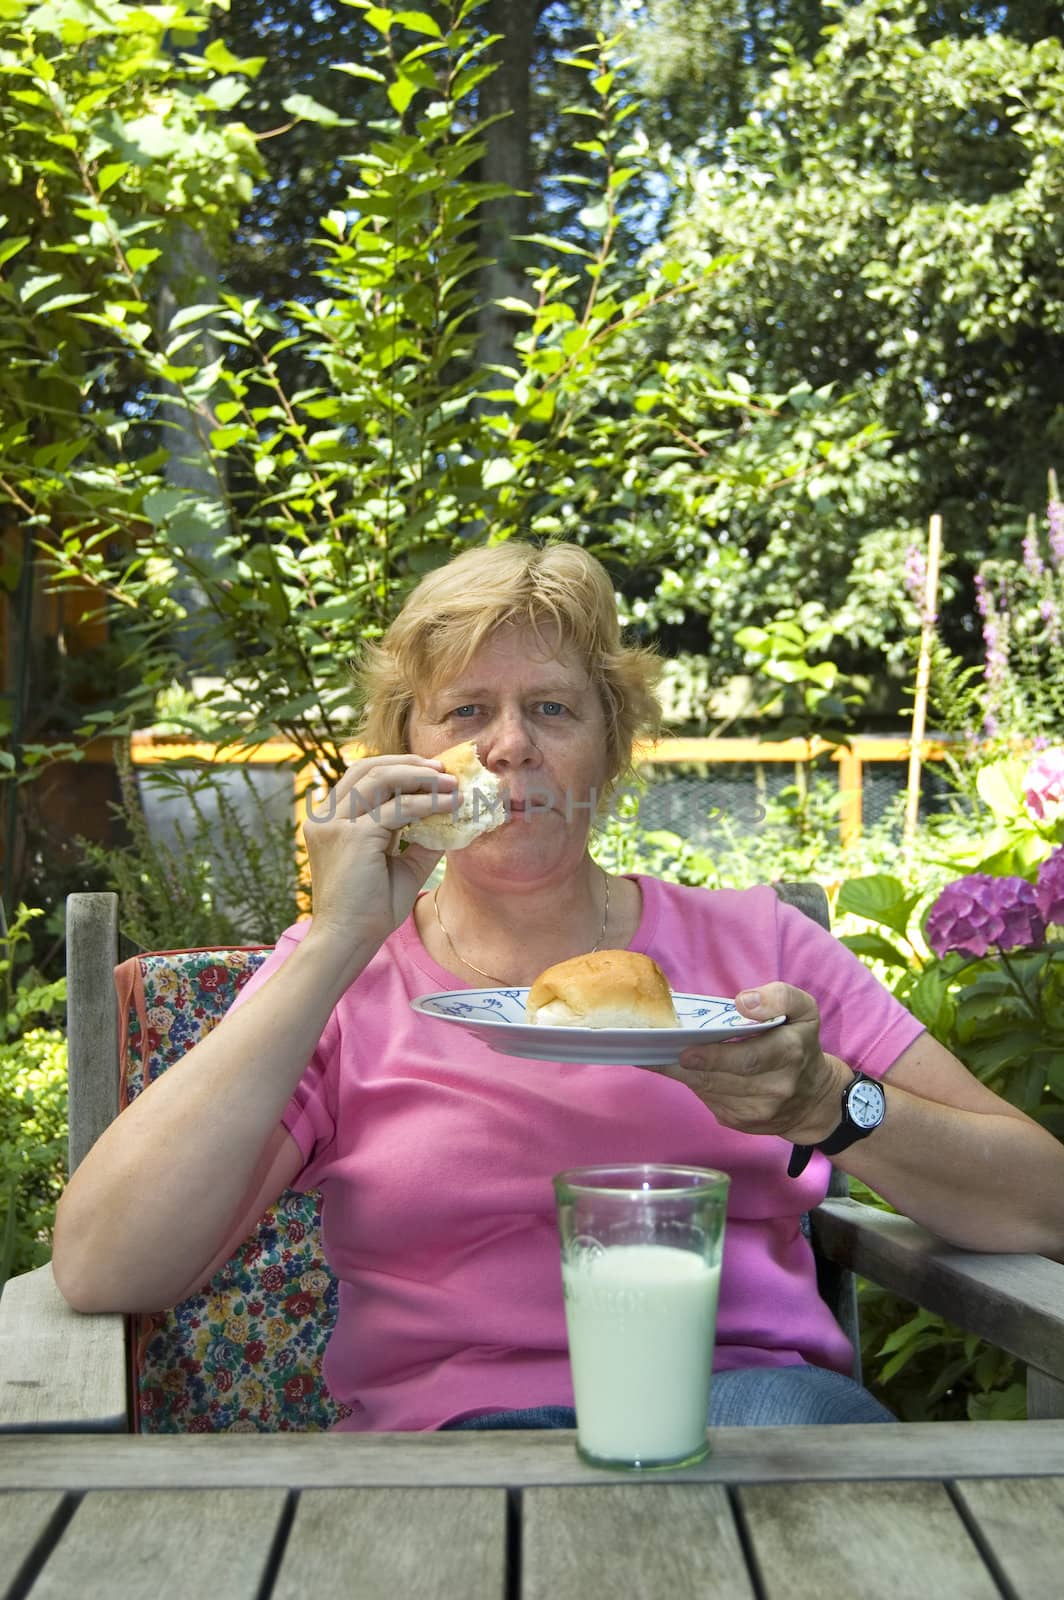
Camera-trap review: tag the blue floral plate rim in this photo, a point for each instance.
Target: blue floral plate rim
(497, 1018)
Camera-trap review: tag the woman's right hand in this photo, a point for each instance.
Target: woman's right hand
(364, 887)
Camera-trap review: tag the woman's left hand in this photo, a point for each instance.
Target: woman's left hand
(780, 1082)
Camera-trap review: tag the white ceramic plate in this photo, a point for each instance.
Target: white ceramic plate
(497, 1018)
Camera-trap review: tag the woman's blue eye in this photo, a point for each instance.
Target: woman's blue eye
(552, 707)
(465, 711)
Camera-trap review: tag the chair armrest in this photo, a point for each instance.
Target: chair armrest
(1015, 1302)
(61, 1371)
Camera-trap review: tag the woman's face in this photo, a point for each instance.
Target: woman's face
(538, 724)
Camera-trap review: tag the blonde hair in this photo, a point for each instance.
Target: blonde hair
(456, 608)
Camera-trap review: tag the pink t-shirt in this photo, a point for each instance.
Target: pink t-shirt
(434, 1156)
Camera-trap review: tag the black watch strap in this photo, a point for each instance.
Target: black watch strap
(800, 1154)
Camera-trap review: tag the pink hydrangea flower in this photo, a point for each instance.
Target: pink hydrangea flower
(1043, 785)
(979, 913)
(1049, 889)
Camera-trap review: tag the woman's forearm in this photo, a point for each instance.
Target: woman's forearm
(156, 1195)
(980, 1180)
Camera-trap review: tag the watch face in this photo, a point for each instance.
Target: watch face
(866, 1104)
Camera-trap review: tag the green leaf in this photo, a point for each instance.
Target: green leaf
(401, 92)
(564, 246)
(222, 59)
(307, 109)
(596, 216)
(419, 22)
(222, 438)
(621, 176)
(37, 284)
(879, 898)
(355, 69)
(1000, 1405)
(226, 92)
(875, 947)
(1001, 786)
(11, 247)
(59, 302)
(111, 174)
(191, 314)
(140, 258)
(908, 1332)
(498, 471)
(930, 1001)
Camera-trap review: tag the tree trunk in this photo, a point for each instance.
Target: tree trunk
(185, 432)
(506, 160)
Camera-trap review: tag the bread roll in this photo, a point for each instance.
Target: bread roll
(481, 809)
(608, 989)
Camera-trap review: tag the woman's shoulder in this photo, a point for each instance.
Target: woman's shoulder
(690, 900)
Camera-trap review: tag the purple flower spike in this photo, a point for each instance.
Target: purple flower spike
(1043, 785)
(979, 913)
(1055, 518)
(983, 602)
(914, 576)
(1050, 886)
(1032, 558)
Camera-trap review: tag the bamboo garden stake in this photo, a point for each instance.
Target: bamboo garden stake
(923, 679)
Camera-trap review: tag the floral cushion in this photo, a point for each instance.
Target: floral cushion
(245, 1355)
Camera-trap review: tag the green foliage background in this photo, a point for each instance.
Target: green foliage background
(33, 1106)
(808, 295)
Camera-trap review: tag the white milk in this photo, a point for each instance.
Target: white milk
(641, 1319)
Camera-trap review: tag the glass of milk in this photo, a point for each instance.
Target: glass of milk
(641, 1256)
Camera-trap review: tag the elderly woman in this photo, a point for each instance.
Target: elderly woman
(434, 1155)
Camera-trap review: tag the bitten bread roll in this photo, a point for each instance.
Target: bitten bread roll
(608, 989)
(481, 809)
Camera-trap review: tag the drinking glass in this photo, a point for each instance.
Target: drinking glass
(641, 1255)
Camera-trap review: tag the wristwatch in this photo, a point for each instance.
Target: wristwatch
(864, 1105)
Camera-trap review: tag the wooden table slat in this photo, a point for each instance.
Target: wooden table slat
(641, 1541)
(123, 1544)
(508, 1459)
(1021, 1522)
(24, 1520)
(879, 1541)
(967, 1511)
(396, 1544)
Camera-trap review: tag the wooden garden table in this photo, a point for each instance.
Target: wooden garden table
(953, 1511)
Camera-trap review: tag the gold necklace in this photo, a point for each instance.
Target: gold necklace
(490, 975)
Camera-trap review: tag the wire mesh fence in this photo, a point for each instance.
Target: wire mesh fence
(739, 788)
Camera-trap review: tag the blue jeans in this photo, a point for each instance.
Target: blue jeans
(752, 1397)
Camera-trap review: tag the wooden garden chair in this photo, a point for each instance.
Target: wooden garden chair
(271, 1308)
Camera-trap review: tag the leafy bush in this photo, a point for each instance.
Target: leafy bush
(229, 876)
(33, 1107)
(981, 963)
(318, 501)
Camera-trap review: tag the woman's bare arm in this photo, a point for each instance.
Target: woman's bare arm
(161, 1191)
(958, 1158)
(950, 1153)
